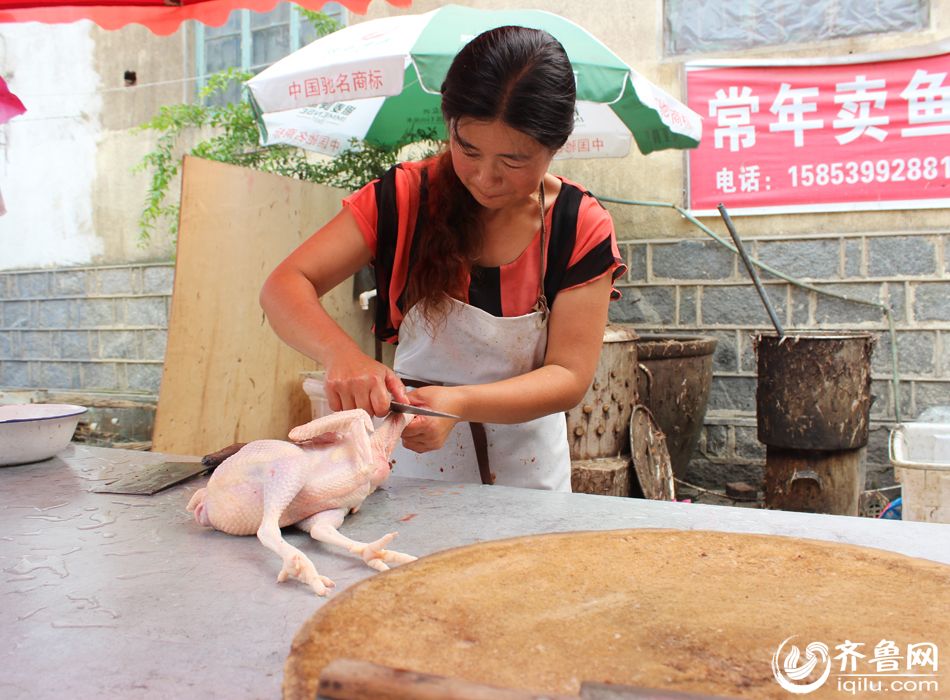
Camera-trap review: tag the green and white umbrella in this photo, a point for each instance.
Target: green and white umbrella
(379, 81)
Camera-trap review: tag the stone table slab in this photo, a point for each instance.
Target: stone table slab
(113, 596)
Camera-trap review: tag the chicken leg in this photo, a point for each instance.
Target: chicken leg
(324, 527)
(288, 477)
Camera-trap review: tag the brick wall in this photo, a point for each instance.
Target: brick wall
(97, 334)
(89, 335)
(697, 286)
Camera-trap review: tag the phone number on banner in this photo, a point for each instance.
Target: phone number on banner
(867, 171)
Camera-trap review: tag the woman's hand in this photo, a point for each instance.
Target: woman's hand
(357, 381)
(426, 433)
(291, 299)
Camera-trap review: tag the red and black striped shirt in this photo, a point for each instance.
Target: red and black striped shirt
(582, 247)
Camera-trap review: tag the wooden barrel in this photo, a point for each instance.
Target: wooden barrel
(599, 426)
(674, 382)
(813, 402)
(813, 390)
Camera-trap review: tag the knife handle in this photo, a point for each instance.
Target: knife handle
(215, 458)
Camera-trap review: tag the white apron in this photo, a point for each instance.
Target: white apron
(475, 347)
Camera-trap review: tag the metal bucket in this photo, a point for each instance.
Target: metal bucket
(814, 390)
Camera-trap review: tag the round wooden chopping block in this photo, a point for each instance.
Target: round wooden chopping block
(699, 612)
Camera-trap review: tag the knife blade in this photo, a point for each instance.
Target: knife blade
(148, 480)
(397, 407)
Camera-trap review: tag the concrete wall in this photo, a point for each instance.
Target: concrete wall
(50, 152)
(66, 175)
(164, 75)
(80, 320)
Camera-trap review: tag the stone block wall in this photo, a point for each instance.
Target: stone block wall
(97, 335)
(89, 335)
(699, 287)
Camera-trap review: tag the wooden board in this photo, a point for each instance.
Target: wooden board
(651, 456)
(689, 611)
(227, 376)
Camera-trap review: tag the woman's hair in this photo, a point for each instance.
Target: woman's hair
(518, 75)
(521, 77)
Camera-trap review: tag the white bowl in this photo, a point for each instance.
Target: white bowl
(31, 432)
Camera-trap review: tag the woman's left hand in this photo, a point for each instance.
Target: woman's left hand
(425, 433)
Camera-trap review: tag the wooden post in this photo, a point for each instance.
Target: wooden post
(814, 481)
(608, 476)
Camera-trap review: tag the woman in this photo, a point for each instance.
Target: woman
(493, 275)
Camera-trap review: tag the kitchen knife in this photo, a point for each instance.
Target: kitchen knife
(397, 407)
(149, 479)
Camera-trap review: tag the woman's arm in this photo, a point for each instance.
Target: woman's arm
(290, 298)
(575, 339)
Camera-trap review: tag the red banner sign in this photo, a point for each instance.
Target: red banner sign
(821, 137)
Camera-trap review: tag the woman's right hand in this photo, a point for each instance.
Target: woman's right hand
(291, 299)
(354, 380)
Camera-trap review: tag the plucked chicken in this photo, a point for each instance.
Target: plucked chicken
(330, 466)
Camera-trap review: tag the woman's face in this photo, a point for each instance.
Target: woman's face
(499, 165)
